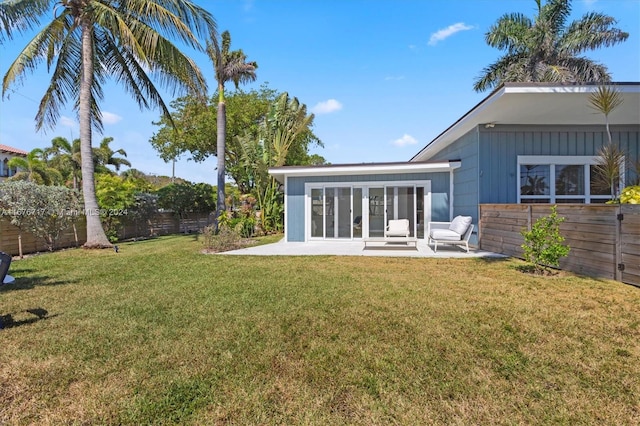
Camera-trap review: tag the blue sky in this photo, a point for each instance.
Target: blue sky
(383, 77)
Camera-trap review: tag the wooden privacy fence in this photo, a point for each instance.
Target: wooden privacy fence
(160, 224)
(604, 239)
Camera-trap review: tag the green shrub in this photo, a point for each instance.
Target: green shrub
(630, 195)
(543, 243)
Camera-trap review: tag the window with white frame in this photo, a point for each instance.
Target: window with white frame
(559, 179)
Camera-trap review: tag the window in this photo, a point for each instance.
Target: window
(559, 179)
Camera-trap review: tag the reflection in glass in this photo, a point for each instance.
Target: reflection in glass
(534, 179)
(569, 180)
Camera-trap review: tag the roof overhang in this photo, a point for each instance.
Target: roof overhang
(14, 151)
(281, 173)
(538, 104)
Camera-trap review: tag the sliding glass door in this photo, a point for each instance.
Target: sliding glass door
(348, 212)
(332, 212)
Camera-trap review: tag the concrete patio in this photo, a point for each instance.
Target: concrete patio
(357, 248)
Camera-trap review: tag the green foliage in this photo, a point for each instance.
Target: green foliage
(630, 195)
(609, 163)
(543, 243)
(44, 211)
(186, 198)
(34, 168)
(115, 196)
(195, 127)
(286, 122)
(547, 48)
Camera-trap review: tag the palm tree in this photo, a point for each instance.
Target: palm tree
(65, 156)
(105, 156)
(34, 169)
(88, 41)
(228, 66)
(545, 49)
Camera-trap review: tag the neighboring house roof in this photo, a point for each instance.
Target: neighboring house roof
(538, 104)
(361, 169)
(12, 150)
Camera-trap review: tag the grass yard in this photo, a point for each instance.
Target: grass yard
(162, 334)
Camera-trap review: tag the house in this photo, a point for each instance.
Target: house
(523, 143)
(6, 154)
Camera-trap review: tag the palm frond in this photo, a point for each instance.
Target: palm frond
(593, 31)
(21, 16)
(507, 68)
(509, 32)
(605, 99)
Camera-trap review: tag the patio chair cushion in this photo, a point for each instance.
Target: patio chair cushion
(460, 224)
(445, 235)
(398, 228)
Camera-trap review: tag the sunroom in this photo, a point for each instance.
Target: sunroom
(356, 201)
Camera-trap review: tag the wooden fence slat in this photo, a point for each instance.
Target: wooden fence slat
(161, 224)
(598, 240)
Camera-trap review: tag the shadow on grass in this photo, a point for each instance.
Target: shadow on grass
(31, 282)
(34, 315)
(490, 260)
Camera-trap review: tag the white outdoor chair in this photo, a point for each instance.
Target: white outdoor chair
(397, 228)
(457, 232)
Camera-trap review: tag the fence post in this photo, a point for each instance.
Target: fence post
(618, 247)
(529, 217)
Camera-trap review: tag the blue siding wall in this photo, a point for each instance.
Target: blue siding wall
(295, 195)
(465, 178)
(501, 145)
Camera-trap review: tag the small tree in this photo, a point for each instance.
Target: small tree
(45, 211)
(543, 243)
(610, 158)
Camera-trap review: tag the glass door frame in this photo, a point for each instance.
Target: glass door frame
(365, 187)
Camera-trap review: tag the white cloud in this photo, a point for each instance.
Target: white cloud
(448, 32)
(405, 140)
(68, 122)
(327, 107)
(110, 118)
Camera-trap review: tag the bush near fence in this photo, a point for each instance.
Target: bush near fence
(604, 239)
(160, 224)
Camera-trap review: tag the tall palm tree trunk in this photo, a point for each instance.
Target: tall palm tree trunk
(222, 131)
(96, 238)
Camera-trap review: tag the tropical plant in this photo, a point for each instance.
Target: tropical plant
(605, 100)
(88, 41)
(543, 243)
(228, 66)
(286, 122)
(610, 158)
(65, 156)
(546, 49)
(115, 196)
(105, 156)
(33, 168)
(630, 195)
(196, 123)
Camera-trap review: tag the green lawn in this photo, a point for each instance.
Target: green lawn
(162, 334)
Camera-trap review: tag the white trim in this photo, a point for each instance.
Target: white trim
(280, 173)
(450, 195)
(555, 160)
(286, 222)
